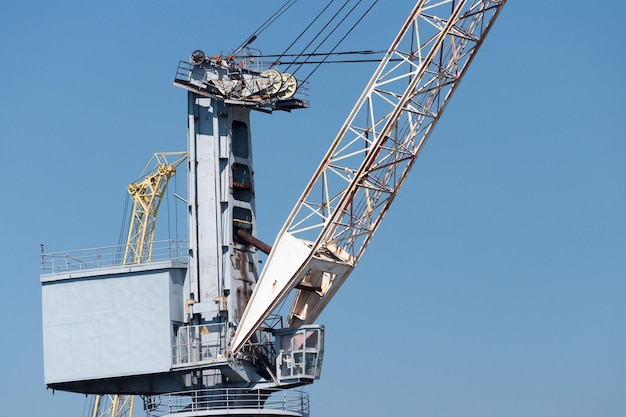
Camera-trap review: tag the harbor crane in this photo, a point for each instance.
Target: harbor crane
(199, 332)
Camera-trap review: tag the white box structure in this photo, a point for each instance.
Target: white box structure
(110, 323)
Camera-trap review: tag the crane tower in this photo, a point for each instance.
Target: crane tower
(194, 327)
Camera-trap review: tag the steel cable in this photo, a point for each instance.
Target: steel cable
(268, 22)
(317, 41)
(342, 38)
(302, 33)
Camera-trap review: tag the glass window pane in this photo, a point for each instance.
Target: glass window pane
(242, 182)
(240, 139)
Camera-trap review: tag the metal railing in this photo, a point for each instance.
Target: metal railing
(264, 402)
(198, 343)
(103, 257)
(232, 82)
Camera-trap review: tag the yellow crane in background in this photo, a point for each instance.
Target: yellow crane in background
(147, 194)
(113, 406)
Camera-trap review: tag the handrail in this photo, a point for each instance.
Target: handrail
(198, 343)
(108, 256)
(288, 402)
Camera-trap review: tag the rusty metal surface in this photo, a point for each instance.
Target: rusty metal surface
(248, 238)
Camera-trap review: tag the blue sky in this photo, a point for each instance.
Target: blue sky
(496, 284)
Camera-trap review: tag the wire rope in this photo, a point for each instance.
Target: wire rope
(319, 33)
(364, 52)
(319, 39)
(341, 61)
(310, 25)
(123, 230)
(343, 37)
(304, 31)
(168, 196)
(267, 23)
(176, 235)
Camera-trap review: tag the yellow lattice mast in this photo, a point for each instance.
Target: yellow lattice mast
(113, 406)
(147, 195)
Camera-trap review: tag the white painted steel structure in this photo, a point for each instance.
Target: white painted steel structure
(367, 163)
(163, 327)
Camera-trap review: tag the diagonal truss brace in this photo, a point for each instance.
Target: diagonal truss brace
(360, 175)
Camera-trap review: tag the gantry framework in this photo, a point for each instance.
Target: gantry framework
(367, 163)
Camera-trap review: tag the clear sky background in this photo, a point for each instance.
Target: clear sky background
(496, 284)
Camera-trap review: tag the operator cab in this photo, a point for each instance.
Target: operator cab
(300, 355)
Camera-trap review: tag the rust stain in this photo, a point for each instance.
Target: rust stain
(244, 282)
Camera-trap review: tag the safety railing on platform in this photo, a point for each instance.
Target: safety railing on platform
(93, 258)
(200, 343)
(239, 83)
(231, 401)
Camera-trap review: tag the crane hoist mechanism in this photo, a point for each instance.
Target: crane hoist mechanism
(202, 332)
(239, 81)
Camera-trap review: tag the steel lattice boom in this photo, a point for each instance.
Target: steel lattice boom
(352, 189)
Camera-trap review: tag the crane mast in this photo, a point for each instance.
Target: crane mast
(351, 191)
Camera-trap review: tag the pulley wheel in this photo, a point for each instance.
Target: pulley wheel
(197, 57)
(288, 86)
(275, 81)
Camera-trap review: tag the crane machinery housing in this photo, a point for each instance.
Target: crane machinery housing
(196, 330)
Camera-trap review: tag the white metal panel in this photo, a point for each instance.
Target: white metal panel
(287, 256)
(208, 198)
(109, 325)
